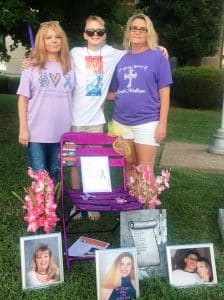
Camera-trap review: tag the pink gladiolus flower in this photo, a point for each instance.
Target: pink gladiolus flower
(39, 203)
(145, 187)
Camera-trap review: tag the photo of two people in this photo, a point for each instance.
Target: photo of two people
(191, 265)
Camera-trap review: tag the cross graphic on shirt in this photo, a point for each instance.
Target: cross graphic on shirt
(130, 75)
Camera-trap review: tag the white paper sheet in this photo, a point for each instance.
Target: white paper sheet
(85, 246)
(95, 174)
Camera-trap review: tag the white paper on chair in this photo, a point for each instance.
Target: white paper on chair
(95, 174)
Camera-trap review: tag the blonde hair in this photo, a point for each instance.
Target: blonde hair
(113, 277)
(39, 53)
(52, 269)
(152, 37)
(95, 18)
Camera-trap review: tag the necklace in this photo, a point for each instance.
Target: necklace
(42, 273)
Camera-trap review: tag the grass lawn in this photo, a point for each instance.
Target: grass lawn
(192, 204)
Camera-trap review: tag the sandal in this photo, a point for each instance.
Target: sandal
(94, 215)
(76, 217)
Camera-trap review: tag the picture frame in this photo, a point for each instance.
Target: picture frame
(116, 274)
(191, 265)
(146, 230)
(95, 173)
(41, 260)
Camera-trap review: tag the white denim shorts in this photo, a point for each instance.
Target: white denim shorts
(140, 134)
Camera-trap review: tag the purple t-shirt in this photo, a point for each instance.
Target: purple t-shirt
(137, 81)
(49, 94)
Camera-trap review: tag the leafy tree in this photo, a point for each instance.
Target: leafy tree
(16, 14)
(188, 28)
(72, 17)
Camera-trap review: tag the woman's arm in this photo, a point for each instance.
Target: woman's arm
(23, 129)
(160, 133)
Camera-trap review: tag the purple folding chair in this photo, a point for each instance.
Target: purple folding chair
(74, 146)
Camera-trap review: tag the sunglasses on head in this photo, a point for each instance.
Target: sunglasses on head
(91, 32)
(49, 23)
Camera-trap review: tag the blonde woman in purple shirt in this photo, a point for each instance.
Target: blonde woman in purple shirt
(141, 86)
(45, 98)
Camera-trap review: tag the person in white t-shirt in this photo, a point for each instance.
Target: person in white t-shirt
(94, 67)
(187, 275)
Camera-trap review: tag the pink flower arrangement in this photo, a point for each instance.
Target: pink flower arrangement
(145, 187)
(39, 202)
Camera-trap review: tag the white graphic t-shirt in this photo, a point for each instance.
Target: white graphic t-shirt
(94, 70)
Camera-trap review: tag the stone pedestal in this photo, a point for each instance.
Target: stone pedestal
(221, 222)
(217, 146)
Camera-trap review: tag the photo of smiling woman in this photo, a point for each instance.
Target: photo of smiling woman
(44, 270)
(41, 260)
(119, 277)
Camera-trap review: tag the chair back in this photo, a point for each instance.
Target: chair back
(79, 144)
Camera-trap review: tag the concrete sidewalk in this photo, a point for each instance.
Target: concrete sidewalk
(191, 156)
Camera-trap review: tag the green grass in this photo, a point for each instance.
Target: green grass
(192, 126)
(192, 204)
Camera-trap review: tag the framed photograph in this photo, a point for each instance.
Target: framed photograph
(41, 260)
(116, 274)
(191, 265)
(146, 230)
(95, 174)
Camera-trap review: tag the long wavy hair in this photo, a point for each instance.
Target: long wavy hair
(39, 53)
(208, 266)
(113, 277)
(52, 271)
(152, 37)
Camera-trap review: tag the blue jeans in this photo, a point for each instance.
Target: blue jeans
(45, 156)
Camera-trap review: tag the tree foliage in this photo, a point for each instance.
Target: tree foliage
(72, 16)
(188, 28)
(16, 14)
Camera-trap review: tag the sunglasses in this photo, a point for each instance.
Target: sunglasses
(49, 23)
(91, 32)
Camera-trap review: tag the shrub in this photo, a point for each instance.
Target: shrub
(13, 84)
(3, 84)
(198, 87)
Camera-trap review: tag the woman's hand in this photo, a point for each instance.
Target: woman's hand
(110, 96)
(160, 132)
(26, 63)
(24, 137)
(164, 52)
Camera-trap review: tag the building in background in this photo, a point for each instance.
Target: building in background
(13, 67)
